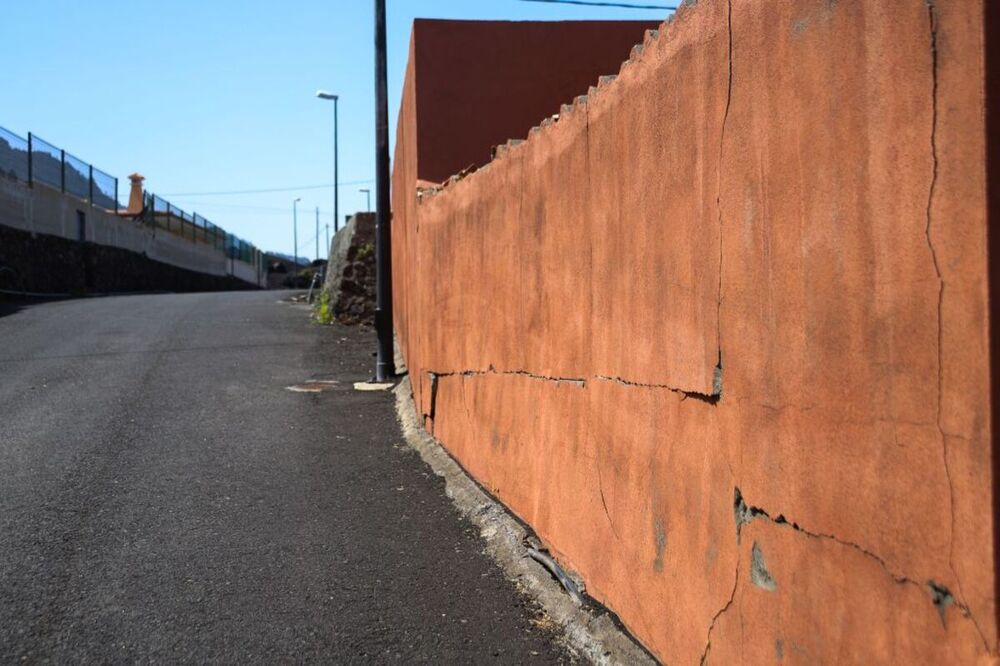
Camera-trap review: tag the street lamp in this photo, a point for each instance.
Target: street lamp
(368, 197)
(322, 94)
(295, 231)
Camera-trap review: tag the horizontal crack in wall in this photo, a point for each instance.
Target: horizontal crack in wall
(710, 398)
(940, 595)
(580, 382)
(518, 373)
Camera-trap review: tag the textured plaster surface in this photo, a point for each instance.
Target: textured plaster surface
(484, 82)
(720, 333)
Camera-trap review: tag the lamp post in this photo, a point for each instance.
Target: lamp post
(385, 366)
(368, 199)
(322, 94)
(295, 232)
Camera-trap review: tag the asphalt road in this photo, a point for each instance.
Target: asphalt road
(163, 497)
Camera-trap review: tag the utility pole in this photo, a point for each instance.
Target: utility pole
(317, 232)
(328, 242)
(385, 366)
(336, 164)
(295, 232)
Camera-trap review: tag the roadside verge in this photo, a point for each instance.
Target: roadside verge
(588, 630)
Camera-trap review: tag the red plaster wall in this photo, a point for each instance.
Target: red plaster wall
(484, 82)
(797, 188)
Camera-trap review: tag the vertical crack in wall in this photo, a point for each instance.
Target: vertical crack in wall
(717, 374)
(590, 230)
(720, 613)
(932, 190)
(604, 503)
(434, 394)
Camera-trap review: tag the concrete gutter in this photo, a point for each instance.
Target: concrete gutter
(589, 630)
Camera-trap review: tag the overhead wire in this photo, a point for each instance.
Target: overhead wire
(269, 190)
(597, 3)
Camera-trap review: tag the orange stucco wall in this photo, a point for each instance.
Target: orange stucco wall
(483, 82)
(721, 333)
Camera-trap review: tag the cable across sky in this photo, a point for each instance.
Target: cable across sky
(269, 190)
(596, 3)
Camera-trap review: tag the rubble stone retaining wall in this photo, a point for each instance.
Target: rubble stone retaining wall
(350, 275)
(720, 333)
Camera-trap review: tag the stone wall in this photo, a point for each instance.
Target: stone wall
(349, 290)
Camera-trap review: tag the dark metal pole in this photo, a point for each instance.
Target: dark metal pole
(385, 366)
(336, 164)
(91, 193)
(31, 161)
(62, 171)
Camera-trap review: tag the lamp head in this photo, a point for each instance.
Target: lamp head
(322, 94)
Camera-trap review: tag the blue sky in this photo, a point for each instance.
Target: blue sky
(218, 95)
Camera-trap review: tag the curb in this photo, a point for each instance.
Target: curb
(595, 637)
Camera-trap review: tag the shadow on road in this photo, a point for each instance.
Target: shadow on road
(8, 307)
(13, 304)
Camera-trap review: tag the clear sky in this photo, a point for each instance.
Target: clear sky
(218, 95)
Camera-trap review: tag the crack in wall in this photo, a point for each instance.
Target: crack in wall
(579, 382)
(717, 374)
(718, 614)
(932, 20)
(604, 503)
(434, 395)
(940, 596)
(711, 399)
(517, 373)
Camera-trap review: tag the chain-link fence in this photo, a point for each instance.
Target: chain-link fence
(13, 156)
(34, 160)
(37, 161)
(105, 189)
(45, 163)
(161, 214)
(75, 176)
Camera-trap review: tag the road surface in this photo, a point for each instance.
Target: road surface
(163, 497)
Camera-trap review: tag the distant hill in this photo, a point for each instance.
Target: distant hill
(47, 168)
